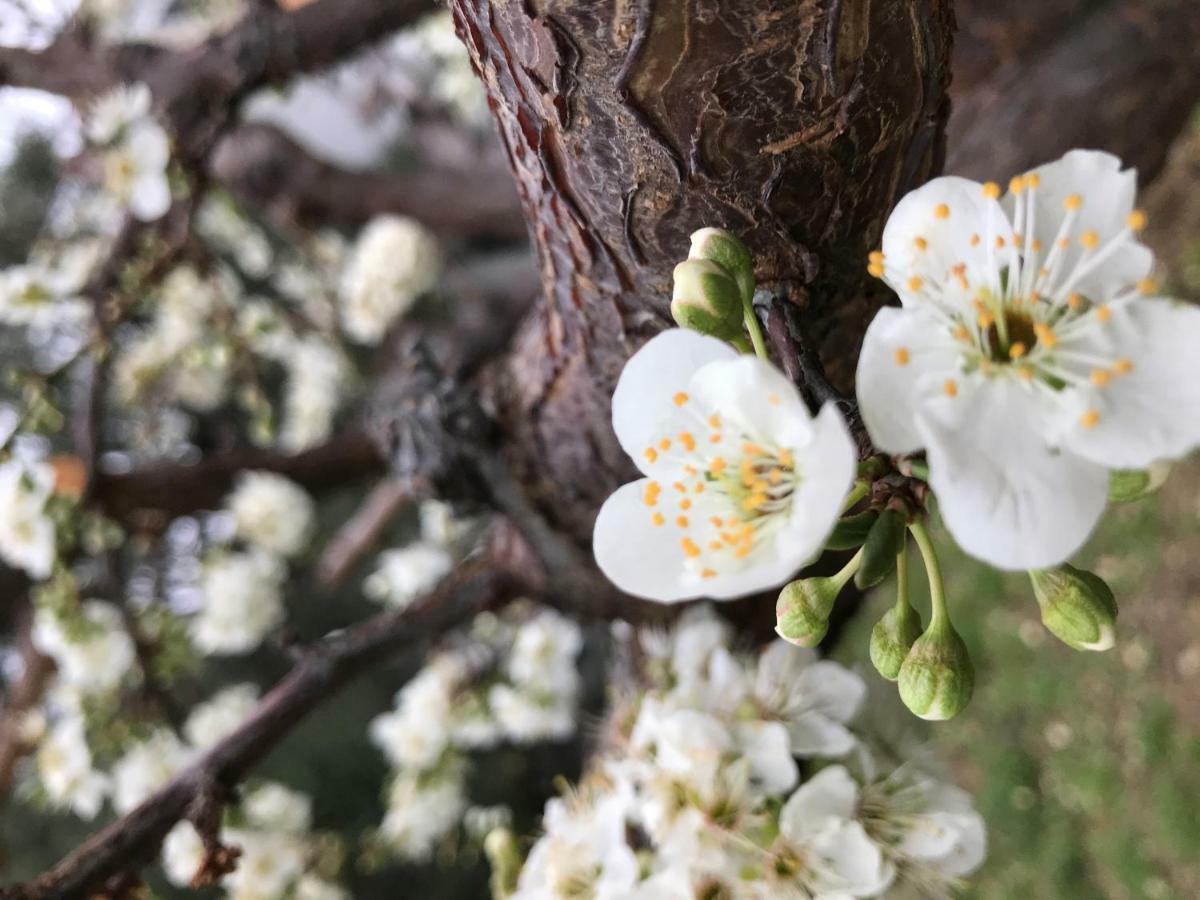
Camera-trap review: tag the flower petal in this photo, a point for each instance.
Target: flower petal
(944, 223)
(815, 734)
(1005, 496)
(637, 556)
(1152, 412)
(150, 196)
(831, 794)
(644, 407)
(1107, 195)
(851, 862)
(756, 398)
(905, 354)
(766, 747)
(831, 689)
(826, 468)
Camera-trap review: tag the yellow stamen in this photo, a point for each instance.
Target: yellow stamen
(915, 284)
(682, 521)
(975, 240)
(1123, 366)
(708, 573)
(921, 243)
(875, 270)
(717, 466)
(1101, 377)
(1089, 239)
(991, 190)
(651, 454)
(950, 388)
(1033, 180)
(1090, 419)
(658, 519)
(941, 211)
(1072, 201)
(689, 442)
(1103, 313)
(1016, 351)
(901, 356)
(1147, 286)
(1075, 301)
(690, 550)
(875, 256)
(1016, 184)
(685, 504)
(961, 333)
(1136, 220)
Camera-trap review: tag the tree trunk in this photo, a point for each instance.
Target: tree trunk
(629, 125)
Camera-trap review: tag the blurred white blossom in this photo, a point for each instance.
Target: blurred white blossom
(242, 602)
(136, 151)
(272, 512)
(92, 655)
(394, 261)
(65, 769)
(27, 536)
(220, 715)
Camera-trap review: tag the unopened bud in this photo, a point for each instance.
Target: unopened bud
(802, 611)
(1078, 607)
(884, 541)
(706, 300)
(892, 638)
(937, 678)
(726, 250)
(1128, 485)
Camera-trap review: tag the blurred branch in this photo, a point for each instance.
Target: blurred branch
(1123, 79)
(267, 170)
(133, 841)
(146, 498)
(360, 534)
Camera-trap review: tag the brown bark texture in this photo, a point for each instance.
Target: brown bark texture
(630, 125)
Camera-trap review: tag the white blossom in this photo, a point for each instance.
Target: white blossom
(815, 699)
(136, 151)
(317, 375)
(276, 807)
(182, 854)
(420, 812)
(272, 512)
(94, 655)
(405, 574)
(394, 261)
(220, 715)
(1026, 360)
(34, 295)
(310, 887)
(145, 767)
(544, 650)
(526, 715)
(742, 485)
(269, 864)
(27, 536)
(242, 602)
(64, 767)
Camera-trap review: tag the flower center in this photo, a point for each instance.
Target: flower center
(730, 491)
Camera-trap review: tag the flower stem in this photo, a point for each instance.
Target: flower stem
(742, 345)
(902, 603)
(848, 571)
(857, 492)
(933, 572)
(752, 326)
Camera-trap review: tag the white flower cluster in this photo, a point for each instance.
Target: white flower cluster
(272, 829)
(272, 513)
(177, 355)
(36, 295)
(95, 655)
(136, 151)
(701, 792)
(394, 261)
(27, 535)
(405, 573)
(512, 678)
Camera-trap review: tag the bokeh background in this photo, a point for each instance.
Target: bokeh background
(1085, 766)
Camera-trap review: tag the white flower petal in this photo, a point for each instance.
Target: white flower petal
(766, 747)
(831, 689)
(918, 242)
(850, 861)
(637, 556)
(903, 351)
(826, 468)
(1153, 412)
(755, 397)
(814, 734)
(1108, 194)
(644, 408)
(1005, 496)
(150, 196)
(830, 795)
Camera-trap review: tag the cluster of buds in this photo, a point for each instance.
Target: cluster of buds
(714, 287)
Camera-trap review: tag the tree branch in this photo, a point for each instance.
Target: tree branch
(133, 841)
(1123, 79)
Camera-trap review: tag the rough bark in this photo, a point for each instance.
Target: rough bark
(1118, 76)
(629, 125)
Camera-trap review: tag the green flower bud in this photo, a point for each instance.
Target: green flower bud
(1128, 485)
(706, 300)
(884, 541)
(504, 856)
(802, 611)
(893, 637)
(937, 678)
(850, 532)
(1078, 608)
(727, 251)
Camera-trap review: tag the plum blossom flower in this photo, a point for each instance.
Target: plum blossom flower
(393, 263)
(742, 485)
(27, 536)
(1030, 356)
(93, 658)
(136, 151)
(64, 764)
(824, 845)
(272, 512)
